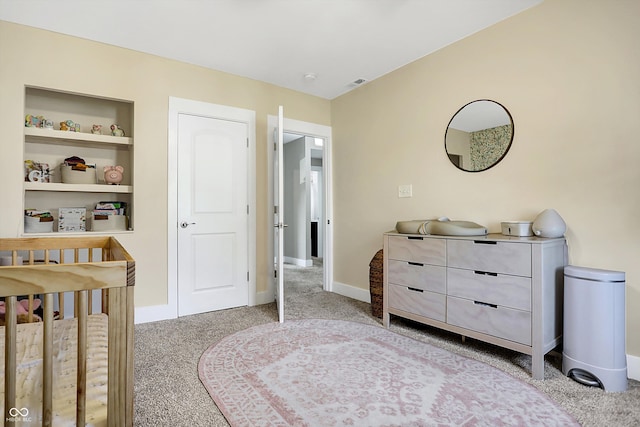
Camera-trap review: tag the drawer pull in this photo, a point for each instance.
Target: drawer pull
(485, 242)
(486, 304)
(415, 289)
(486, 273)
(414, 238)
(419, 264)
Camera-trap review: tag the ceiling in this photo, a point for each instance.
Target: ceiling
(334, 42)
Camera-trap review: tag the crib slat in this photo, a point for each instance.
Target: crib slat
(10, 355)
(30, 309)
(47, 361)
(81, 384)
(129, 377)
(117, 393)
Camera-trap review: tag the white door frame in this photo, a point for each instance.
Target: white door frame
(187, 106)
(313, 130)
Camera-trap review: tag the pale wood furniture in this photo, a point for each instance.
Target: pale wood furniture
(504, 290)
(53, 266)
(52, 146)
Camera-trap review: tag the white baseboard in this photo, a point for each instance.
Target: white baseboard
(156, 313)
(633, 367)
(264, 297)
(299, 262)
(352, 292)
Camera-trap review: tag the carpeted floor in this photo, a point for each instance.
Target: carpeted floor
(168, 391)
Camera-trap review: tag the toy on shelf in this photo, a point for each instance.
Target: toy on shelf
(96, 129)
(116, 130)
(69, 125)
(32, 121)
(113, 174)
(37, 171)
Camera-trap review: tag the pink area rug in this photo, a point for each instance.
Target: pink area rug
(337, 373)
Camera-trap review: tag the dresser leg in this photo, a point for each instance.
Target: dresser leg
(385, 319)
(537, 365)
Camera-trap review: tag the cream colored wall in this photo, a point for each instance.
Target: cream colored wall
(567, 70)
(40, 58)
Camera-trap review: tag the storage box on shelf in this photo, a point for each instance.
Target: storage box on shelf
(500, 289)
(67, 187)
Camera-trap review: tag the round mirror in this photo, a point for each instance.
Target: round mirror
(479, 135)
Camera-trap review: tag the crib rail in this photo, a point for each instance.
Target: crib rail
(113, 274)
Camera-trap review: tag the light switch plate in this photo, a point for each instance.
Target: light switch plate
(405, 190)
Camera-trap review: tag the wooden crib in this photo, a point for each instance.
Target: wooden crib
(89, 271)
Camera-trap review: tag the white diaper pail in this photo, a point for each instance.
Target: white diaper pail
(594, 351)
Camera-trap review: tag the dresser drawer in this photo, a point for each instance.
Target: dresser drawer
(416, 301)
(490, 256)
(499, 289)
(418, 249)
(416, 275)
(501, 322)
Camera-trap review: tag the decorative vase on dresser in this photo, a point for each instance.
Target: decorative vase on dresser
(504, 290)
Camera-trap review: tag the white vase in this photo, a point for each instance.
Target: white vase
(549, 223)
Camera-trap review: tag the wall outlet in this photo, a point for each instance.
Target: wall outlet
(405, 190)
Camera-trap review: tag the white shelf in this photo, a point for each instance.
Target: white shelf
(82, 188)
(78, 138)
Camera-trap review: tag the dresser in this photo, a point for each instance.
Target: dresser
(500, 289)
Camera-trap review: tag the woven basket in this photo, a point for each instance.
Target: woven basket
(375, 284)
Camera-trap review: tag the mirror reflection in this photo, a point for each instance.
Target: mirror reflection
(479, 135)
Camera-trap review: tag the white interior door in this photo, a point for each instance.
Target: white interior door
(212, 214)
(278, 214)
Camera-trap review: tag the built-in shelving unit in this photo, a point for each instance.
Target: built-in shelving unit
(53, 146)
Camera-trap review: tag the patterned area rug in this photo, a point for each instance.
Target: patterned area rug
(338, 373)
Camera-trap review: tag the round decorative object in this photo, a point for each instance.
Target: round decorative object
(479, 135)
(549, 223)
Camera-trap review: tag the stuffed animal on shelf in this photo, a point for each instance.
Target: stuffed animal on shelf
(96, 129)
(22, 311)
(113, 174)
(64, 126)
(116, 130)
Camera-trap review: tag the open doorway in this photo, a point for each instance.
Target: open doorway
(314, 156)
(303, 178)
(303, 204)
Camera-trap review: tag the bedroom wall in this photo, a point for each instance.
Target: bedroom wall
(567, 70)
(35, 57)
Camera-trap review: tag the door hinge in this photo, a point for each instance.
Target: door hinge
(275, 146)
(329, 221)
(247, 209)
(247, 142)
(247, 276)
(275, 210)
(275, 274)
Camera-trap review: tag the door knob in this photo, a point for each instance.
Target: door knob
(185, 224)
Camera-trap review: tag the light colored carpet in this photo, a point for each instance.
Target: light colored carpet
(337, 373)
(168, 391)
